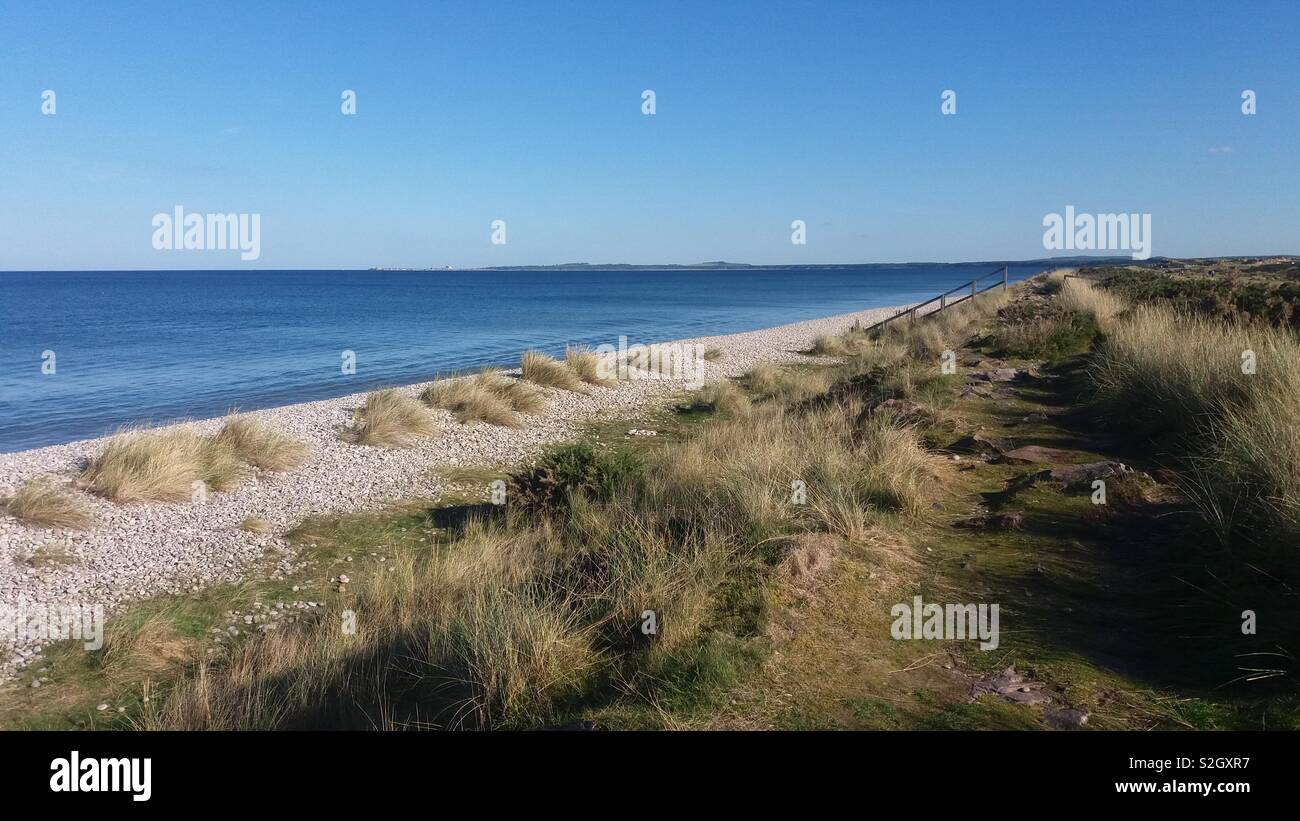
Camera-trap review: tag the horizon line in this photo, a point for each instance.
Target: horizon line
(671, 265)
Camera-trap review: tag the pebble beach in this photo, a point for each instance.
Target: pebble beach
(140, 550)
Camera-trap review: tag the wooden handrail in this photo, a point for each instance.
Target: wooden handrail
(942, 298)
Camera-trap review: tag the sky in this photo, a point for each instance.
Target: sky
(531, 113)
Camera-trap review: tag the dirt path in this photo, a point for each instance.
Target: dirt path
(1115, 612)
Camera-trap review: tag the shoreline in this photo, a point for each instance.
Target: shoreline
(141, 550)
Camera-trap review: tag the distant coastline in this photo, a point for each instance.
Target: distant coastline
(722, 265)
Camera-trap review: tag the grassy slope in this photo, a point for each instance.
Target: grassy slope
(1125, 610)
(1111, 608)
(149, 643)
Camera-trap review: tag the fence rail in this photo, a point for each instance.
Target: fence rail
(969, 290)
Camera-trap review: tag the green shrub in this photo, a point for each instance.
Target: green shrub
(577, 467)
(1043, 330)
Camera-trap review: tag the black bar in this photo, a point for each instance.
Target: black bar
(331, 770)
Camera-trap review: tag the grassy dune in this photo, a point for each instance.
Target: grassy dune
(738, 569)
(524, 611)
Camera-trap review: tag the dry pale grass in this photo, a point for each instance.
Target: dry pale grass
(589, 366)
(1083, 297)
(723, 398)
(830, 345)
(138, 466)
(1178, 376)
(255, 443)
(1179, 373)
(520, 614)
(471, 399)
(897, 468)
(746, 471)
(255, 524)
(842, 515)
(928, 336)
(713, 354)
(788, 384)
(522, 396)
(545, 370)
(390, 418)
(852, 343)
(220, 468)
(765, 379)
(47, 503)
(1054, 281)
(665, 560)
(477, 635)
(135, 651)
(923, 338)
(490, 397)
(876, 353)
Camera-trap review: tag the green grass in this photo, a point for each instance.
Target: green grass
(151, 643)
(1238, 291)
(1112, 605)
(531, 615)
(1044, 331)
(534, 611)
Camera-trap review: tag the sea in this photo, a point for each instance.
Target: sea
(83, 353)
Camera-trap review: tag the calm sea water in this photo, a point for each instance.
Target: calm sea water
(156, 346)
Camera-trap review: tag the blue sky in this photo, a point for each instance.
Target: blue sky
(531, 113)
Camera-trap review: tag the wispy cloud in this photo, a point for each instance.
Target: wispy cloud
(1221, 149)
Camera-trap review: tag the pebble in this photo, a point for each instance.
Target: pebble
(143, 550)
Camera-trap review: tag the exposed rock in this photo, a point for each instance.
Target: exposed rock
(980, 444)
(1081, 474)
(1005, 520)
(1008, 520)
(992, 375)
(1066, 718)
(1038, 453)
(903, 410)
(1013, 687)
